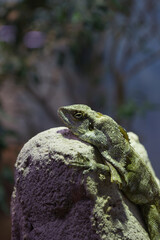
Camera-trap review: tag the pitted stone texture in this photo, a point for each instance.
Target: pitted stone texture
(54, 200)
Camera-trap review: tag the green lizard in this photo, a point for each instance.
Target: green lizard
(126, 167)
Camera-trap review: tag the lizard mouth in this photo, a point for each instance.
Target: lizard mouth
(63, 115)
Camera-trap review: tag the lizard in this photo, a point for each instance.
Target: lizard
(126, 167)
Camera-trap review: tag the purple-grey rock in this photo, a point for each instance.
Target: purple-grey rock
(55, 199)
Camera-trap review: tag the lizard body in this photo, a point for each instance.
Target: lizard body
(126, 167)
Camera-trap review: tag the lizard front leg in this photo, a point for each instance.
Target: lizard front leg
(92, 165)
(89, 165)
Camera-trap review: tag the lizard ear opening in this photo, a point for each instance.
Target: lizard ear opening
(124, 133)
(91, 127)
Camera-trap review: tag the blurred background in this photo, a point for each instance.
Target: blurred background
(105, 54)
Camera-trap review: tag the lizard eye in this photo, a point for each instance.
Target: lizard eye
(78, 115)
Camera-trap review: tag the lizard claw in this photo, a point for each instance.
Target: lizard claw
(88, 166)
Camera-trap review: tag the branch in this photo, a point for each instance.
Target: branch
(43, 103)
(114, 49)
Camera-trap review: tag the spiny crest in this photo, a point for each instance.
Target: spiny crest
(77, 107)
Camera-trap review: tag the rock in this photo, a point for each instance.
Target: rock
(55, 199)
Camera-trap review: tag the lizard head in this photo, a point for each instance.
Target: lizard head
(93, 127)
(82, 121)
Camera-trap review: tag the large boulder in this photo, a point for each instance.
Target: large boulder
(56, 197)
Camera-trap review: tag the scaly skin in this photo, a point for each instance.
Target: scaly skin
(126, 167)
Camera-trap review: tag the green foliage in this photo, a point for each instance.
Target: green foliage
(127, 110)
(123, 6)
(3, 132)
(79, 22)
(6, 176)
(132, 108)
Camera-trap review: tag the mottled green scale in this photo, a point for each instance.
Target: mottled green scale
(126, 167)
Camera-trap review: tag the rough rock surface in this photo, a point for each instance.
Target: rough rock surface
(55, 199)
